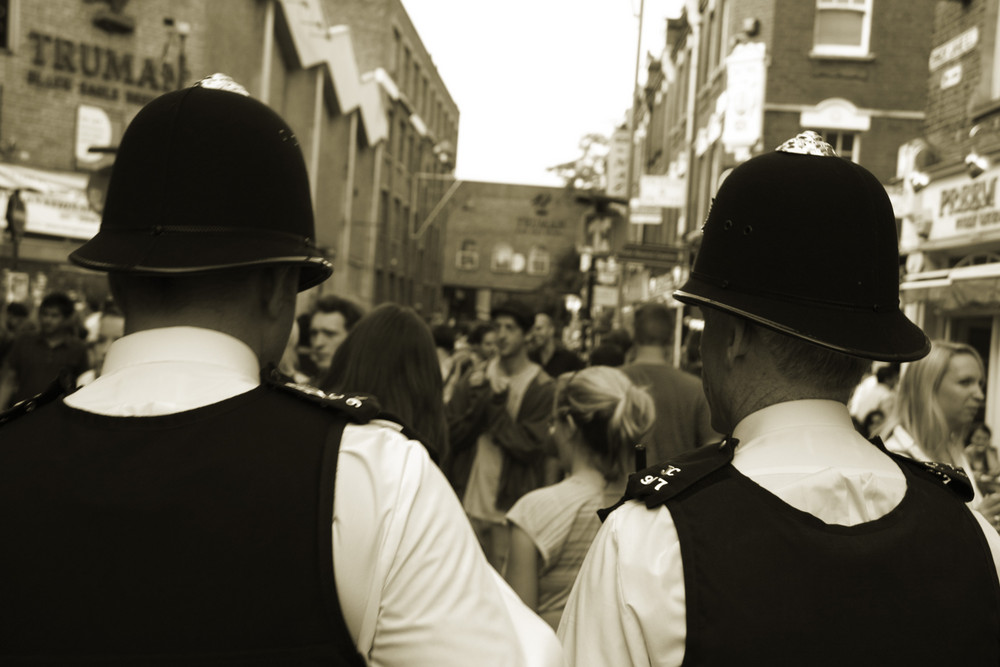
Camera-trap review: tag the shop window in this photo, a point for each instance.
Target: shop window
(502, 260)
(538, 261)
(843, 27)
(468, 256)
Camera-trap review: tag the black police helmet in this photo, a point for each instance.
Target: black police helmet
(804, 242)
(207, 178)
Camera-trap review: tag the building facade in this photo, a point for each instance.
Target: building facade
(73, 73)
(411, 171)
(951, 218)
(738, 77)
(508, 240)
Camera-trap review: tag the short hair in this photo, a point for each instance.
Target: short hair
(607, 354)
(917, 409)
(17, 309)
(977, 426)
(444, 337)
(390, 353)
(479, 331)
(522, 314)
(654, 324)
(805, 363)
(612, 413)
(60, 301)
(350, 311)
(619, 337)
(885, 373)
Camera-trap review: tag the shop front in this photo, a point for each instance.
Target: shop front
(951, 279)
(47, 215)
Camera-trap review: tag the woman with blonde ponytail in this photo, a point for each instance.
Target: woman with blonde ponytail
(598, 417)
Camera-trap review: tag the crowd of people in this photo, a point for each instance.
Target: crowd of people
(213, 479)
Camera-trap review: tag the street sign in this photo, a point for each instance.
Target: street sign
(645, 215)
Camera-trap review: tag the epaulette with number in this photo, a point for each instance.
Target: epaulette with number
(60, 387)
(359, 408)
(947, 476)
(657, 484)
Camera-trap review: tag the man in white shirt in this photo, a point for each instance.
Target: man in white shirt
(183, 509)
(795, 541)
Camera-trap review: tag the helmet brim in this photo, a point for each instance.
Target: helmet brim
(869, 334)
(166, 252)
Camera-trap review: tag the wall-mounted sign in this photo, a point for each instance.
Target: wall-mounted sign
(963, 205)
(951, 76)
(954, 48)
(93, 128)
(746, 72)
(617, 169)
(661, 190)
(100, 72)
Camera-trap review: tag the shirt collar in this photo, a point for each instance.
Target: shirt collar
(191, 344)
(792, 415)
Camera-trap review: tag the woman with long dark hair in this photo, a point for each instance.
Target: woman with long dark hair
(390, 354)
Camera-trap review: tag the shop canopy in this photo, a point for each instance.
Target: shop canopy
(958, 287)
(55, 202)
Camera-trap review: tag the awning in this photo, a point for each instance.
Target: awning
(975, 285)
(55, 202)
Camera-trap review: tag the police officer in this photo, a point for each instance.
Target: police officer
(180, 509)
(795, 541)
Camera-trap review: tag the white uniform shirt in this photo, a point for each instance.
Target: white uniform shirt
(628, 604)
(414, 586)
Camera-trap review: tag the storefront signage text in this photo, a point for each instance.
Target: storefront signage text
(541, 226)
(977, 199)
(103, 70)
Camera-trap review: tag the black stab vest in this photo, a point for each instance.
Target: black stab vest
(767, 584)
(197, 538)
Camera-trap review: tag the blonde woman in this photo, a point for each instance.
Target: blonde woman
(938, 398)
(598, 417)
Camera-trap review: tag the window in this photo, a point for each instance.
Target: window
(843, 27)
(538, 261)
(468, 257)
(4, 24)
(845, 143)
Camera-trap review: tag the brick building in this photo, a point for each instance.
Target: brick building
(412, 169)
(738, 77)
(510, 240)
(951, 218)
(73, 73)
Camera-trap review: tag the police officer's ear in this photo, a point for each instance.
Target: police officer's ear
(741, 335)
(279, 285)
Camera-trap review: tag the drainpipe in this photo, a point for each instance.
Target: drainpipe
(344, 251)
(267, 51)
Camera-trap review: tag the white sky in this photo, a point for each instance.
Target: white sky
(531, 77)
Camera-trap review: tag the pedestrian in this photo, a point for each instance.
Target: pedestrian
(796, 541)
(683, 418)
(187, 508)
(498, 423)
(390, 354)
(937, 400)
(597, 419)
(37, 359)
(546, 351)
(330, 322)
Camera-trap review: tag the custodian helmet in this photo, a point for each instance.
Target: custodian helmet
(804, 242)
(206, 178)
